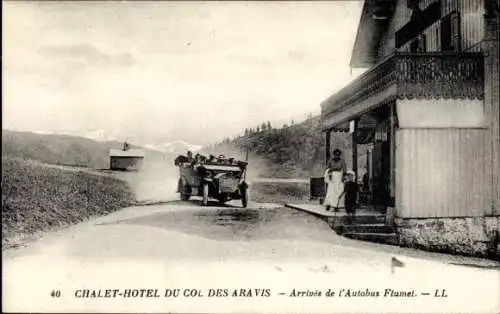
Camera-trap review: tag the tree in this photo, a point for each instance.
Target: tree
(258, 129)
(263, 126)
(269, 127)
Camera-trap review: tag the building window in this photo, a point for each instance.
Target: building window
(450, 32)
(418, 44)
(420, 20)
(414, 45)
(412, 3)
(492, 8)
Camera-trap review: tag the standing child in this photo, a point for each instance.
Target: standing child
(351, 196)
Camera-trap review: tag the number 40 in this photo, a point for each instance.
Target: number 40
(55, 293)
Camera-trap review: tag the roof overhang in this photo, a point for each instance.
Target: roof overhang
(375, 17)
(403, 75)
(135, 153)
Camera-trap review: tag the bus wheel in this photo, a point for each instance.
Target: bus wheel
(204, 201)
(185, 193)
(244, 198)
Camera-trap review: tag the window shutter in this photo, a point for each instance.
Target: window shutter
(418, 44)
(491, 8)
(414, 45)
(422, 43)
(456, 38)
(451, 37)
(446, 33)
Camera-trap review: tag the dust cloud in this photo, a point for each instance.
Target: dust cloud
(155, 182)
(157, 179)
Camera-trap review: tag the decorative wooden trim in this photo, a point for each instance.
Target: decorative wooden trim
(380, 99)
(440, 77)
(415, 75)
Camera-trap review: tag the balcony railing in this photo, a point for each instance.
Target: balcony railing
(416, 75)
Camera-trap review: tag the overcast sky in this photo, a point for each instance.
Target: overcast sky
(157, 71)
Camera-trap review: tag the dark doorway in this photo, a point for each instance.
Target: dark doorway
(381, 171)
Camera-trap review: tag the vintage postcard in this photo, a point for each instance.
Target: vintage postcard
(251, 156)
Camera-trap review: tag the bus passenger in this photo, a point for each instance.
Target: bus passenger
(190, 158)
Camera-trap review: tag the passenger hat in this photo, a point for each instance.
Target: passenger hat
(350, 172)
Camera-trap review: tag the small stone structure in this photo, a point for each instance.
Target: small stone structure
(130, 159)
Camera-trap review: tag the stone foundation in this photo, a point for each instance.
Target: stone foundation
(472, 236)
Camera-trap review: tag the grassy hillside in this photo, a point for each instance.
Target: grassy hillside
(290, 151)
(36, 198)
(60, 149)
(280, 192)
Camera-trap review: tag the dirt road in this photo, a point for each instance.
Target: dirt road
(181, 245)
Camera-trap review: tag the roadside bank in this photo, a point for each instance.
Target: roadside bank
(38, 198)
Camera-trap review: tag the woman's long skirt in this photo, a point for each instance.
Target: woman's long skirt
(334, 188)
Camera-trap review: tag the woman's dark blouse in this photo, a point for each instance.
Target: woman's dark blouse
(337, 165)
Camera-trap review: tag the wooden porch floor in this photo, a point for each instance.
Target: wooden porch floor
(368, 225)
(319, 210)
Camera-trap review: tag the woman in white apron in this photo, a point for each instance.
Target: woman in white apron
(334, 176)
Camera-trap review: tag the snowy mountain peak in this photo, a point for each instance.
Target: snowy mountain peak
(99, 135)
(175, 147)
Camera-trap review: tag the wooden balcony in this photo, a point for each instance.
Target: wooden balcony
(408, 76)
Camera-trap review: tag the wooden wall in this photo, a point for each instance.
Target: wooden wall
(492, 107)
(441, 113)
(471, 24)
(450, 172)
(442, 173)
(472, 21)
(388, 41)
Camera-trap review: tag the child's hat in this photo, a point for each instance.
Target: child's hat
(350, 172)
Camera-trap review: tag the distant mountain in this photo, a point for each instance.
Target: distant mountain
(64, 149)
(175, 147)
(93, 134)
(99, 135)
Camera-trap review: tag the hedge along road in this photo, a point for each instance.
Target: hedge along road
(182, 244)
